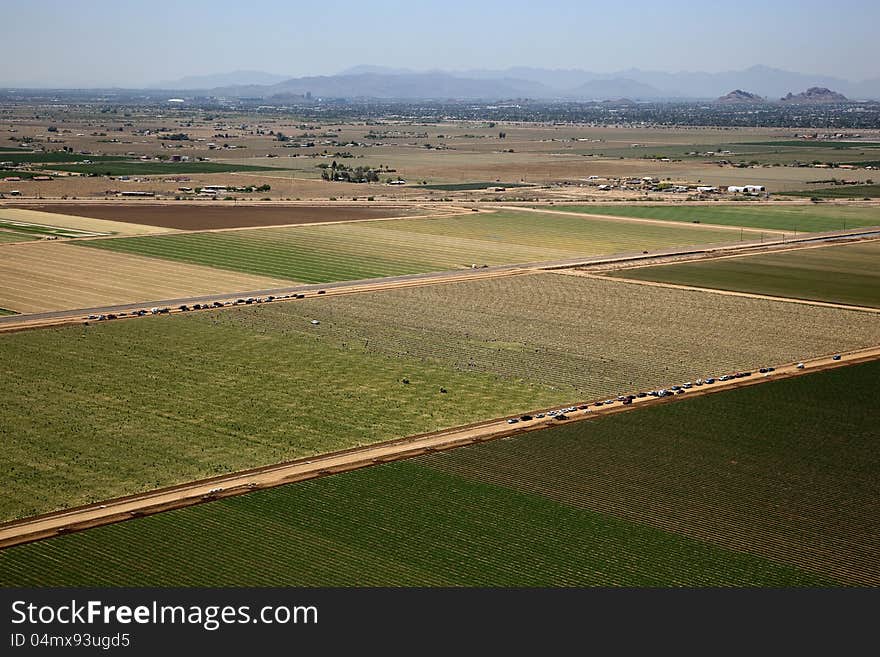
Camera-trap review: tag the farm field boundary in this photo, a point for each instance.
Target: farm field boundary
(195, 216)
(641, 220)
(120, 509)
(714, 290)
(842, 275)
(41, 276)
(77, 315)
(72, 221)
(768, 217)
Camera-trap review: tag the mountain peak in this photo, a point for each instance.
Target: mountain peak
(815, 95)
(740, 96)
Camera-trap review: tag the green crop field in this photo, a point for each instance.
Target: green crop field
(792, 218)
(847, 274)
(814, 144)
(28, 230)
(316, 254)
(24, 175)
(840, 191)
(90, 413)
(55, 156)
(784, 495)
(153, 168)
(7, 236)
(129, 406)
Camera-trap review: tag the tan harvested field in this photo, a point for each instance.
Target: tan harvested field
(69, 219)
(587, 336)
(214, 215)
(41, 276)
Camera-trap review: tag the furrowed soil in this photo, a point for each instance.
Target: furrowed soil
(42, 276)
(787, 470)
(69, 219)
(773, 485)
(399, 524)
(198, 217)
(134, 405)
(315, 254)
(794, 218)
(848, 274)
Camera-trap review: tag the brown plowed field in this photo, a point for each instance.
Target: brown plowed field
(199, 217)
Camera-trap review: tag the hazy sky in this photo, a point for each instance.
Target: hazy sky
(129, 43)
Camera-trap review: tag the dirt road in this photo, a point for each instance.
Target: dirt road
(641, 220)
(712, 290)
(78, 315)
(117, 510)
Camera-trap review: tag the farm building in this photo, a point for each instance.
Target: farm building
(746, 188)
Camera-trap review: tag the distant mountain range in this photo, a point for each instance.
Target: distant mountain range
(194, 82)
(538, 83)
(521, 82)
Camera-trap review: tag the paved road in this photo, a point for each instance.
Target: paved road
(111, 511)
(54, 318)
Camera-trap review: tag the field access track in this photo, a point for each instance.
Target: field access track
(41, 319)
(116, 510)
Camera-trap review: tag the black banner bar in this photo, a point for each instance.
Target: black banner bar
(542, 621)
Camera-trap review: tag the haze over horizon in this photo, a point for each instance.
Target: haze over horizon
(107, 44)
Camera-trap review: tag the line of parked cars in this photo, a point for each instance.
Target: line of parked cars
(198, 306)
(626, 400)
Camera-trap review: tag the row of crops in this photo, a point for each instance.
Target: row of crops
(586, 337)
(674, 495)
(846, 274)
(401, 524)
(375, 249)
(781, 217)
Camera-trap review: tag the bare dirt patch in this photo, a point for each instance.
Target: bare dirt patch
(199, 217)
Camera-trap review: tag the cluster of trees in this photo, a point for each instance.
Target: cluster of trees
(341, 173)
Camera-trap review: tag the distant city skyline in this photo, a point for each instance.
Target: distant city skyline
(111, 44)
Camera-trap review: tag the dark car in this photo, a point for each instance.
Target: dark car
(525, 418)
(835, 357)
